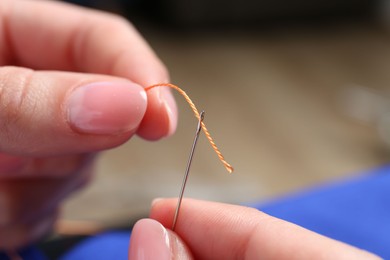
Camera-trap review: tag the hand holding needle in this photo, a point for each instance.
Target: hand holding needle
(183, 186)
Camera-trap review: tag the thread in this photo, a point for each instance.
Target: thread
(228, 167)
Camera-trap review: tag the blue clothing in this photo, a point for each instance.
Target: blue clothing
(29, 253)
(113, 245)
(356, 211)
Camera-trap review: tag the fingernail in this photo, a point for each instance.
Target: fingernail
(155, 201)
(167, 105)
(106, 107)
(171, 108)
(149, 240)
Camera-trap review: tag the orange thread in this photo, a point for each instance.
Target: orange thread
(228, 167)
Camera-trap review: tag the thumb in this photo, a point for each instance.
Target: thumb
(46, 113)
(150, 240)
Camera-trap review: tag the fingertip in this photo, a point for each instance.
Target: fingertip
(162, 210)
(156, 201)
(160, 118)
(171, 108)
(151, 240)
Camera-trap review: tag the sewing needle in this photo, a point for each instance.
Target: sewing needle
(183, 186)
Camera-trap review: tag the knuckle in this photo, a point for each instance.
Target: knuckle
(109, 22)
(164, 73)
(117, 21)
(16, 103)
(14, 91)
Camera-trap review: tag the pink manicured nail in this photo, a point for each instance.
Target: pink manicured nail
(149, 240)
(106, 107)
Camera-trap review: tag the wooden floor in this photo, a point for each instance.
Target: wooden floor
(281, 104)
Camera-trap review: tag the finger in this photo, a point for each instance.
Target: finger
(53, 166)
(150, 240)
(29, 206)
(14, 167)
(83, 40)
(161, 115)
(78, 39)
(18, 236)
(26, 200)
(235, 232)
(11, 164)
(53, 113)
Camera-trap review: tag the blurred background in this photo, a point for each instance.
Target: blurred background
(295, 94)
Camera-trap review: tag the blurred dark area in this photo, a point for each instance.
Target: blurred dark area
(195, 14)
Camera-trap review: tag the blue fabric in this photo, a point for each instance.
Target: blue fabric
(355, 211)
(113, 245)
(30, 253)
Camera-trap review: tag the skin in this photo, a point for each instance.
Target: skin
(210, 230)
(48, 51)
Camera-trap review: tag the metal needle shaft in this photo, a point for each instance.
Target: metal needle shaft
(183, 186)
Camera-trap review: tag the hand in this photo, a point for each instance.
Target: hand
(52, 123)
(208, 230)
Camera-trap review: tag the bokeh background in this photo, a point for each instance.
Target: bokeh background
(295, 94)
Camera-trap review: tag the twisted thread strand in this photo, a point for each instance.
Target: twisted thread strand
(228, 167)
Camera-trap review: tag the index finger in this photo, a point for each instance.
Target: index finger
(57, 36)
(221, 231)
